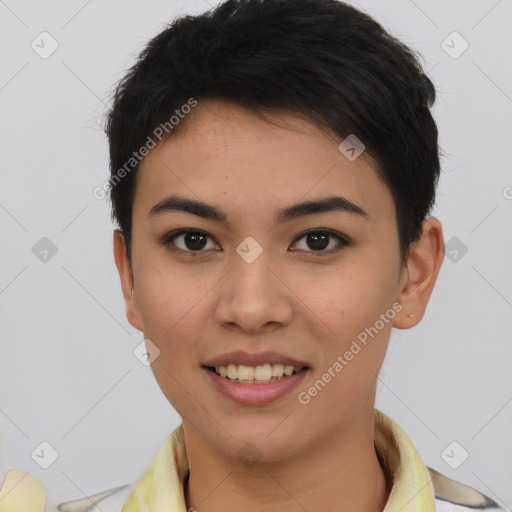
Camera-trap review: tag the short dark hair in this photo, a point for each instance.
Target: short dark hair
(323, 60)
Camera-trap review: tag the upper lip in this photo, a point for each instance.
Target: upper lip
(239, 357)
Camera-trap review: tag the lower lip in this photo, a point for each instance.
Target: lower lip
(256, 394)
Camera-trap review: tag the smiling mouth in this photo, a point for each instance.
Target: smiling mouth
(262, 374)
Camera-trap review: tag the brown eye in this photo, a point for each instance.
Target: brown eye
(187, 240)
(194, 241)
(320, 240)
(317, 241)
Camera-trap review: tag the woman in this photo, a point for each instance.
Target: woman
(273, 167)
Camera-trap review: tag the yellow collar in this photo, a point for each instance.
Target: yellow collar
(161, 487)
(412, 489)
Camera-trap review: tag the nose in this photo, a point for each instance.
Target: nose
(253, 297)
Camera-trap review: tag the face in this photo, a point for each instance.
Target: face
(305, 284)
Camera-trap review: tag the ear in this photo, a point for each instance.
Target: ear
(419, 274)
(127, 284)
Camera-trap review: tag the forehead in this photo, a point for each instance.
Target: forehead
(225, 154)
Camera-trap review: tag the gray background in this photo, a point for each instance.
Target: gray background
(68, 375)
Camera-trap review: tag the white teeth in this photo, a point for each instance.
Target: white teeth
(264, 373)
(245, 372)
(277, 370)
(232, 372)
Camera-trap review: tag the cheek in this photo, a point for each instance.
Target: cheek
(348, 297)
(350, 302)
(173, 311)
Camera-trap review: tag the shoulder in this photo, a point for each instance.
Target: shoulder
(453, 496)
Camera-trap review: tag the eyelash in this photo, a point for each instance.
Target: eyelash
(167, 241)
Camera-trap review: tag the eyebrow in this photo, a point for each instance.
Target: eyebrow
(176, 203)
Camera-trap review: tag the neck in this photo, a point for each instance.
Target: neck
(341, 473)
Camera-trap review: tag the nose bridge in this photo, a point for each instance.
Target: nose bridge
(252, 296)
(251, 272)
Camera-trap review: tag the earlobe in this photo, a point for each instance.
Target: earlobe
(420, 273)
(127, 282)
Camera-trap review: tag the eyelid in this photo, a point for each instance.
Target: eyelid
(344, 240)
(166, 240)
